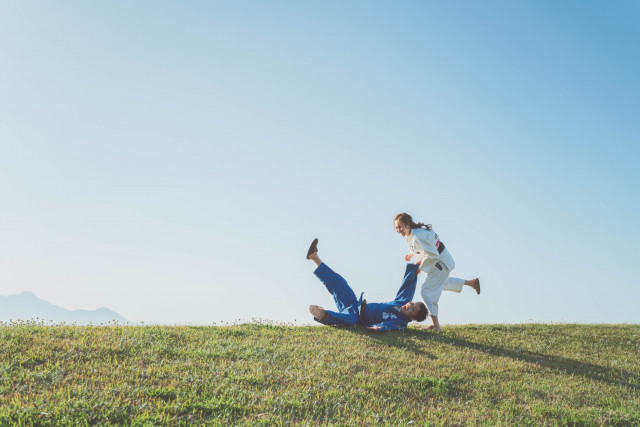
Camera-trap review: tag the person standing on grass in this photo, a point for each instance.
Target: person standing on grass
(434, 259)
(388, 316)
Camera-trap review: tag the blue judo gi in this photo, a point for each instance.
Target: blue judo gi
(385, 315)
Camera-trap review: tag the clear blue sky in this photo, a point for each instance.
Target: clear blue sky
(173, 160)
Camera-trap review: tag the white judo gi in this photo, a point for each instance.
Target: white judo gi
(424, 243)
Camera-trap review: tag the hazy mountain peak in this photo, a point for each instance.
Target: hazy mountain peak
(25, 294)
(27, 306)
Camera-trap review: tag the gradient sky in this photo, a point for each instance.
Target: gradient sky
(173, 160)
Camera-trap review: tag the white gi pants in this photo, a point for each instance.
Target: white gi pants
(433, 285)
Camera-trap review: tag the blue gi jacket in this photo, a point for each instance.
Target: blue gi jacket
(388, 315)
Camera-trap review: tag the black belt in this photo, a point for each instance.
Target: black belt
(363, 305)
(440, 246)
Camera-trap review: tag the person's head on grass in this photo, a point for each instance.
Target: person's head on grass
(416, 311)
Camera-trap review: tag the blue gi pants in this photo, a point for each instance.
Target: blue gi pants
(346, 301)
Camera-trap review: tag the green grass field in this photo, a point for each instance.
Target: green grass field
(271, 374)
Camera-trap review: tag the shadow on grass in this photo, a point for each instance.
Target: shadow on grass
(565, 365)
(409, 340)
(406, 340)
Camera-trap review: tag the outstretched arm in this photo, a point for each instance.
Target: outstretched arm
(408, 287)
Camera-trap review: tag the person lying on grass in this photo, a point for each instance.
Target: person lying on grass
(387, 316)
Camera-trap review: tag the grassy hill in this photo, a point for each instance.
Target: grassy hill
(266, 374)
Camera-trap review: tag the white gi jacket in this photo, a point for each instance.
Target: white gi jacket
(422, 242)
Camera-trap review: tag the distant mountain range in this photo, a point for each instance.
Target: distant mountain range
(26, 306)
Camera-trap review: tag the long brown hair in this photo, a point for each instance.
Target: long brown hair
(406, 219)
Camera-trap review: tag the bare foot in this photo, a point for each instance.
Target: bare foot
(476, 285)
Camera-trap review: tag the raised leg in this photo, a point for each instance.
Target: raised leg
(338, 287)
(453, 284)
(343, 295)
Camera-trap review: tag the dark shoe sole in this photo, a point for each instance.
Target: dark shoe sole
(318, 312)
(313, 248)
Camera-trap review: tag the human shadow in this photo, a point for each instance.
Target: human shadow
(405, 340)
(565, 365)
(413, 340)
